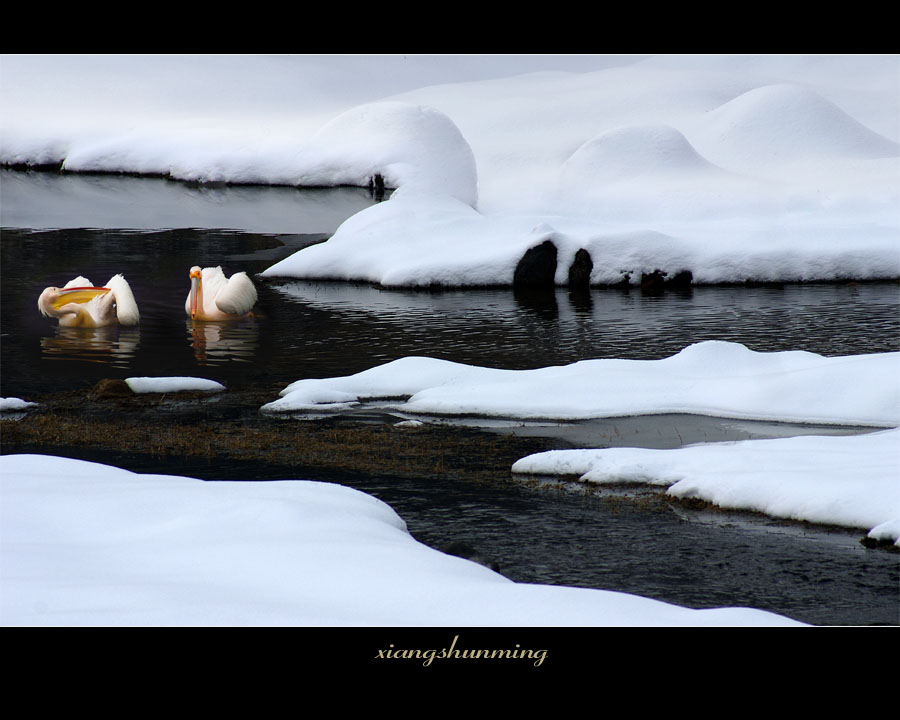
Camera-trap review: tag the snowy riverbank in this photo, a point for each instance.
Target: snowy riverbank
(714, 378)
(768, 168)
(852, 481)
(843, 481)
(89, 544)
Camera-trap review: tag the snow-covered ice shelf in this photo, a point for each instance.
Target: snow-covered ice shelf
(714, 378)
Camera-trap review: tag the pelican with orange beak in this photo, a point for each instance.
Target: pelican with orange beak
(214, 297)
(81, 304)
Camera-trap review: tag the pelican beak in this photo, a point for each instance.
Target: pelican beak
(65, 296)
(195, 290)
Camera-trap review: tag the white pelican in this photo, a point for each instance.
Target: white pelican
(80, 304)
(215, 297)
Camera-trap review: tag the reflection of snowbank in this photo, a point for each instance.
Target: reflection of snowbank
(87, 544)
(852, 481)
(709, 378)
(732, 167)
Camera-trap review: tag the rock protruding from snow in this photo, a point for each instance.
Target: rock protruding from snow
(537, 268)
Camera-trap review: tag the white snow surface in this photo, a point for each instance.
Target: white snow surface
(93, 545)
(852, 481)
(172, 384)
(715, 378)
(733, 167)
(14, 404)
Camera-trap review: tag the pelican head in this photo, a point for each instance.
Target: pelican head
(81, 304)
(47, 300)
(196, 278)
(54, 298)
(213, 297)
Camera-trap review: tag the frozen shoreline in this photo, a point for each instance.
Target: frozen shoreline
(713, 379)
(734, 168)
(87, 544)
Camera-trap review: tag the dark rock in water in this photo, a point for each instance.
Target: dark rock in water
(883, 544)
(580, 271)
(537, 267)
(653, 281)
(376, 187)
(682, 279)
(109, 388)
(752, 283)
(658, 281)
(467, 552)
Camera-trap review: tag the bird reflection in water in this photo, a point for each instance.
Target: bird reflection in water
(215, 343)
(111, 345)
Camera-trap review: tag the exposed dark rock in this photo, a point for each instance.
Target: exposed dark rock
(109, 388)
(467, 552)
(681, 280)
(580, 271)
(376, 187)
(651, 282)
(753, 283)
(657, 281)
(537, 268)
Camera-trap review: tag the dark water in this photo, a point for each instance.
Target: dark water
(308, 329)
(536, 532)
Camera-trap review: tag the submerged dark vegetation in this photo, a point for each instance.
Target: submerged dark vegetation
(193, 425)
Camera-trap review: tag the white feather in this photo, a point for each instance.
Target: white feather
(237, 296)
(222, 298)
(80, 281)
(126, 307)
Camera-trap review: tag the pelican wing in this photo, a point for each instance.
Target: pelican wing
(126, 307)
(80, 281)
(237, 296)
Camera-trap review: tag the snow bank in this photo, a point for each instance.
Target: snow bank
(726, 171)
(853, 481)
(731, 167)
(172, 384)
(88, 544)
(13, 404)
(709, 378)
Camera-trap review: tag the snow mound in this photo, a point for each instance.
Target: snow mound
(728, 359)
(412, 147)
(606, 176)
(414, 240)
(786, 123)
(849, 480)
(172, 384)
(634, 152)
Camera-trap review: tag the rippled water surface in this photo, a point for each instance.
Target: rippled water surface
(536, 532)
(305, 329)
